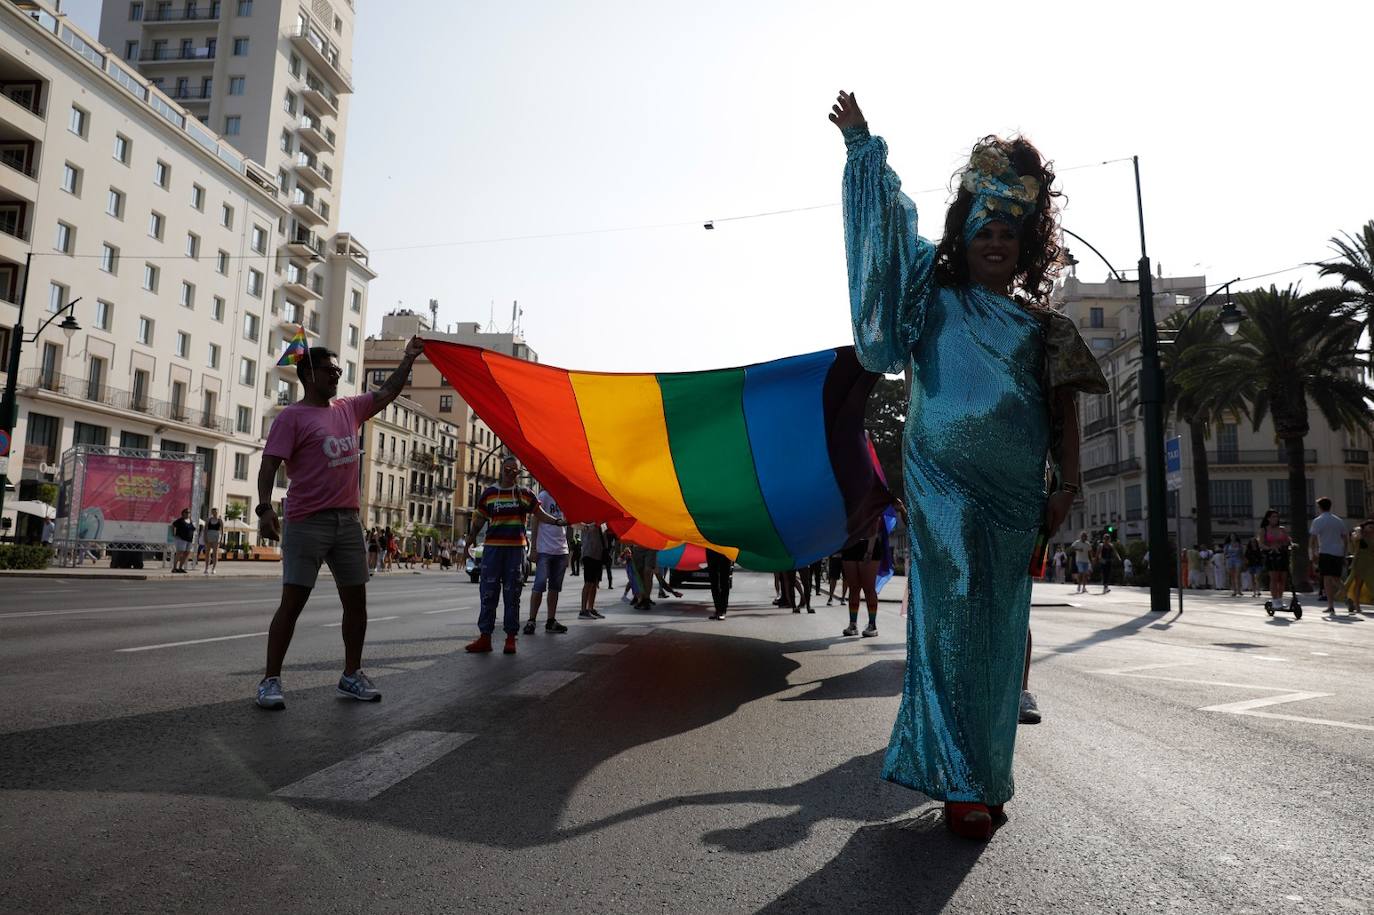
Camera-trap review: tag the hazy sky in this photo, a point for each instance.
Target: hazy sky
(477, 121)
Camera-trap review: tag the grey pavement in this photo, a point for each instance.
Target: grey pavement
(658, 761)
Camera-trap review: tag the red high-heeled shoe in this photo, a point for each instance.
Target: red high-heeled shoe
(971, 821)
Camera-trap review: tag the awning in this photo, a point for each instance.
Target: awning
(33, 507)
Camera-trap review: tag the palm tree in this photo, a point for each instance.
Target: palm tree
(1292, 351)
(1355, 270)
(1193, 399)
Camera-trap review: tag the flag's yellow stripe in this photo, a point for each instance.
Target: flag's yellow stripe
(628, 439)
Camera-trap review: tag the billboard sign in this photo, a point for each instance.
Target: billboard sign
(133, 498)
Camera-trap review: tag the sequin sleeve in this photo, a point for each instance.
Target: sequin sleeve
(890, 266)
(1069, 362)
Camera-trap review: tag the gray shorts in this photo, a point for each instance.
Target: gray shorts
(183, 546)
(335, 536)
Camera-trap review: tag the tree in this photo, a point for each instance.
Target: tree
(1292, 351)
(885, 420)
(1355, 270)
(1193, 398)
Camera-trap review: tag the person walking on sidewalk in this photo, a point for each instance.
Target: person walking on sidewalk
(1107, 558)
(317, 438)
(1327, 546)
(550, 564)
(718, 567)
(185, 533)
(503, 509)
(1082, 550)
(214, 531)
(593, 555)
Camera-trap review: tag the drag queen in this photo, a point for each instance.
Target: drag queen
(994, 373)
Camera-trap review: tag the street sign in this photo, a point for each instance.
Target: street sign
(1173, 463)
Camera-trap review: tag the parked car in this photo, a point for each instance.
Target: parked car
(474, 565)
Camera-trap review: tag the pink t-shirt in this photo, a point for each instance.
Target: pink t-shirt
(320, 447)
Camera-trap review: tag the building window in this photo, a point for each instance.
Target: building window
(1278, 497)
(445, 403)
(255, 279)
(285, 142)
(355, 300)
(350, 372)
(78, 122)
(1095, 318)
(162, 174)
(288, 103)
(155, 225)
(121, 148)
(232, 123)
(294, 65)
(226, 215)
(145, 335)
(248, 371)
(183, 344)
(338, 25)
(57, 297)
(1228, 443)
(283, 181)
(1232, 499)
(135, 12)
(240, 47)
(188, 295)
(217, 308)
(150, 277)
(240, 465)
(212, 356)
(243, 419)
(114, 204)
(130, 50)
(66, 235)
(104, 314)
(198, 197)
(250, 327)
(1354, 499)
(352, 335)
(259, 242)
(71, 179)
(192, 245)
(236, 84)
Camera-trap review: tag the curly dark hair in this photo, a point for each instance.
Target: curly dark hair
(1041, 256)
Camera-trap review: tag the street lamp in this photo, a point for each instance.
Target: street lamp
(9, 406)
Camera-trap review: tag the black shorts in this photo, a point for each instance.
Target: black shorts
(836, 570)
(1332, 566)
(1275, 561)
(866, 550)
(591, 569)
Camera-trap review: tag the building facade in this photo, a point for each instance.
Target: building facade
(1247, 467)
(479, 448)
(410, 470)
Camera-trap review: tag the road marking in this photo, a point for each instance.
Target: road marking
(446, 610)
(604, 648)
(1265, 657)
(369, 773)
(635, 630)
(205, 604)
(219, 638)
(1321, 654)
(542, 684)
(375, 619)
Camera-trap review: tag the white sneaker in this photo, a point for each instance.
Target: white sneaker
(1030, 712)
(269, 694)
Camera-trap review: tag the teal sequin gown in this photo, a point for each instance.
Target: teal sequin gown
(976, 439)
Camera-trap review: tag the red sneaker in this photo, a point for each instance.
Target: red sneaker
(510, 645)
(972, 821)
(483, 643)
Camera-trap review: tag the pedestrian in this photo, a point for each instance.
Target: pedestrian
(817, 573)
(835, 574)
(804, 592)
(718, 572)
(184, 532)
(550, 564)
(1274, 542)
(1327, 544)
(1082, 550)
(317, 438)
(1205, 555)
(994, 374)
(861, 559)
(214, 531)
(1218, 566)
(1061, 564)
(1254, 564)
(1107, 557)
(1234, 555)
(643, 559)
(1361, 578)
(503, 510)
(374, 558)
(594, 553)
(1127, 570)
(1194, 557)
(612, 549)
(575, 556)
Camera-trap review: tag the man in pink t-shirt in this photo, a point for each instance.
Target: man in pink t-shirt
(317, 438)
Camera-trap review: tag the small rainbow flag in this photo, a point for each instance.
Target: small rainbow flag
(296, 350)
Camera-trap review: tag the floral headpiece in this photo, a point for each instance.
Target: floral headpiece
(998, 192)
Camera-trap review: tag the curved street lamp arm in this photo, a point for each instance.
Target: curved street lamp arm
(1115, 273)
(33, 338)
(1205, 299)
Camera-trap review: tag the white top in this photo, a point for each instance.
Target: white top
(1330, 533)
(552, 540)
(1082, 550)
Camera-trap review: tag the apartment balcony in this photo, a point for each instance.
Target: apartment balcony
(296, 316)
(321, 96)
(305, 244)
(298, 284)
(18, 176)
(189, 95)
(1099, 425)
(1130, 465)
(176, 55)
(312, 213)
(323, 57)
(316, 134)
(423, 460)
(1356, 456)
(23, 118)
(88, 392)
(14, 241)
(1274, 456)
(313, 173)
(172, 16)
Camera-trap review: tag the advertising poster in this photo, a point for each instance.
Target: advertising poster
(133, 499)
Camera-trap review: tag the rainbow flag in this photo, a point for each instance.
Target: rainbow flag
(765, 463)
(685, 557)
(296, 350)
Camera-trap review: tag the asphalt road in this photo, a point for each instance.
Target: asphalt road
(1217, 762)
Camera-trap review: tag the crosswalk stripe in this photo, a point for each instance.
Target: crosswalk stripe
(374, 619)
(369, 773)
(543, 683)
(604, 648)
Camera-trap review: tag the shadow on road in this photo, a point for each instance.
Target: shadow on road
(1121, 631)
(878, 680)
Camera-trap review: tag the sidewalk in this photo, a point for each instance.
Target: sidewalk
(153, 571)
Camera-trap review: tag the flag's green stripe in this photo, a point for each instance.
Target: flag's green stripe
(715, 466)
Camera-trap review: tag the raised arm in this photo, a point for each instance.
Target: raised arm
(392, 387)
(890, 266)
